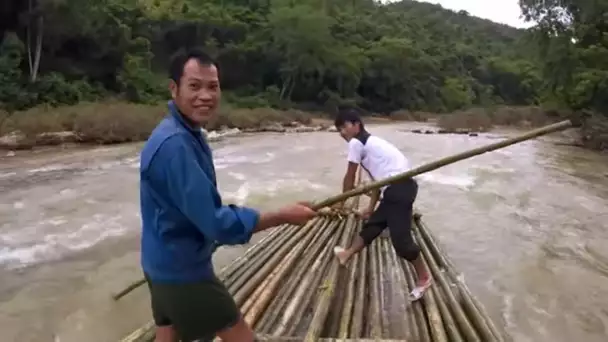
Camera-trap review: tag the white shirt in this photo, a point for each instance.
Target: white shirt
(380, 158)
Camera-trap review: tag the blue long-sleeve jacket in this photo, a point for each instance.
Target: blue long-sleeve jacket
(182, 213)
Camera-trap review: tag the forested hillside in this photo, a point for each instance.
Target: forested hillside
(312, 54)
(404, 55)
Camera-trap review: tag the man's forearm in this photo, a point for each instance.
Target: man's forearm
(348, 183)
(269, 220)
(373, 200)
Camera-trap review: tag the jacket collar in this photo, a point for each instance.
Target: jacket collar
(177, 115)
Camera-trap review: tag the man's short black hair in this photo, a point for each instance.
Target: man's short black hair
(180, 58)
(348, 115)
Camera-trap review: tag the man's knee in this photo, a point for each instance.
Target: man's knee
(368, 236)
(409, 252)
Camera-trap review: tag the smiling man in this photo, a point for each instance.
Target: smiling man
(381, 160)
(184, 219)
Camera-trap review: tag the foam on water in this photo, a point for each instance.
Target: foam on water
(223, 161)
(270, 188)
(462, 181)
(7, 174)
(49, 168)
(49, 239)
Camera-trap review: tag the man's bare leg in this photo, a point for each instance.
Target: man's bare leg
(344, 255)
(166, 334)
(421, 271)
(240, 332)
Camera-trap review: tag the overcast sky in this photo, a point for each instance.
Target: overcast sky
(500, 11)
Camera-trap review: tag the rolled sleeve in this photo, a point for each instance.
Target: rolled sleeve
(192, 192)
(248, 219)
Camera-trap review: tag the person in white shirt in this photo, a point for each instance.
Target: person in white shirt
(381, 159)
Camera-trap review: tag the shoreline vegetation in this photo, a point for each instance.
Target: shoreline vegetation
(284, 63)
(115, 122)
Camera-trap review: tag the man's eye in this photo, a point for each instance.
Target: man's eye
(194, 86)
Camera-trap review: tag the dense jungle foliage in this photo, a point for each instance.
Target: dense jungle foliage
(309, 54)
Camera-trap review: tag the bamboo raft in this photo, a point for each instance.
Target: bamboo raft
(290, 287)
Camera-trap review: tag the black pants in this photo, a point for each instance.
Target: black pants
(395, 211)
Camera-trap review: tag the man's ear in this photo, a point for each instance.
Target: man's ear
(173, 88)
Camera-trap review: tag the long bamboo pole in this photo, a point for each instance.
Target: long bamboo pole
(225, 272)
(560, 126)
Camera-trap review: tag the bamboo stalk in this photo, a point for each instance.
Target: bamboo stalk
(342, 314)
(357, 326)
(422, 323)
(277, 305)
(296, 306)
(252, 252)
(269, 289)
(450, 326)
(262, 295)
(241, 274)
(348, 304)
(322, 309)
(459, 315)
(560, 126)
(470, 303)
(293, 289)
(265, 338)
(253, 276)
(401, 328)
(382, 283)
(225, 271)
(140, 334)
(435, 322)
(374, 322)
(129, 288)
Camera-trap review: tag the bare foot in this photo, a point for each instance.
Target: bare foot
(341, 254)
(422, 282)
(421, 287)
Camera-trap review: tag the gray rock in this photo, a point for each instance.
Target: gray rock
(56, 138)
(12, 140)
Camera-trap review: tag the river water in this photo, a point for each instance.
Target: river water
(527, 226)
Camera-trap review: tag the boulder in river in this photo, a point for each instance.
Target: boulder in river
(15, 141)
(11, 140)
(56, 138)
(273, 127)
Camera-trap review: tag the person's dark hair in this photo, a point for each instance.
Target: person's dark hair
(180, 58)
(348, 115)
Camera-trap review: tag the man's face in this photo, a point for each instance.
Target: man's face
(198, 93)
(348, 130)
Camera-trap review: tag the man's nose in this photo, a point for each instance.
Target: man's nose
(205, 95)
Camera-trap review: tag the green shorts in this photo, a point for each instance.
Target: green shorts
(197, 311)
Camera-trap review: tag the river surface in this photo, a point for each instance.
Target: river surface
(527, 225)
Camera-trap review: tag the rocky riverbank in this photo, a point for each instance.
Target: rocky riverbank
(19, 141)
(445, 131)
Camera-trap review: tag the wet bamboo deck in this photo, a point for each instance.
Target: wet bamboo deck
(290, 287)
